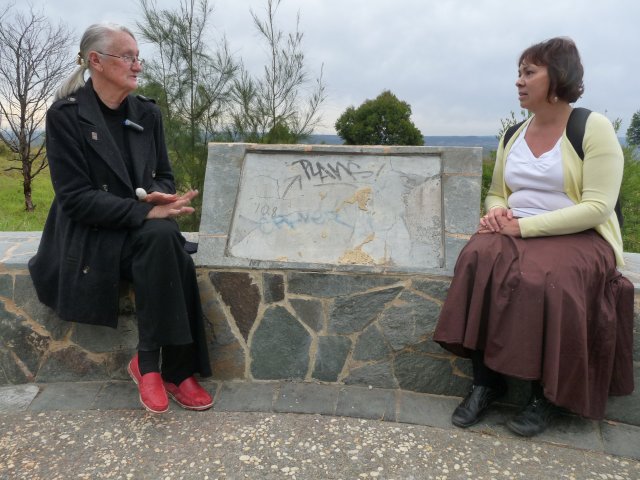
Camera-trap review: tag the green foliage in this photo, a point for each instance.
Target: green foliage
(616, 122)
(633, 132)
(280, 133)
(630, 200)
(203, 91)
(275, 107)
(487, 175)
(384, 120)
(191, 84)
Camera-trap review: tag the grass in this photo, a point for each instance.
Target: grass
(15, 218)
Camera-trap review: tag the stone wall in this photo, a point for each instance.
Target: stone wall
(319, 327)
(365, 319)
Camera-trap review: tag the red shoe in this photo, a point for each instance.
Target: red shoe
(153, 396)
(189, 394)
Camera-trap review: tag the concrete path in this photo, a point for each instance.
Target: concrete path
(280, 430)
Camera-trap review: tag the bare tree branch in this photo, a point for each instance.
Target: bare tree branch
(33, 61)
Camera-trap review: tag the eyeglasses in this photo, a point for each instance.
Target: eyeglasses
(126, 58)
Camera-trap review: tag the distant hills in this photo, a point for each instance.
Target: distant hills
(488, 142)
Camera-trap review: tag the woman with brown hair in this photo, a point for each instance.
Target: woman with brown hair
(536, 294)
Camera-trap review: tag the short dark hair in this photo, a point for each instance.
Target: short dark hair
(560, 56)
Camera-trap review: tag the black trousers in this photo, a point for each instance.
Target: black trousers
(483, 375)
(166, 291)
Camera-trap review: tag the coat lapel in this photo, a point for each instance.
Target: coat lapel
(96, 133)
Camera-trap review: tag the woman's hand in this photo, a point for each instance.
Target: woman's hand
(500, 220)
(170, 205)
(491, 222)
(510, 227)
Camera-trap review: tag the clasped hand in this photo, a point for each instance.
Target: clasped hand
(170, 204)
(500, 220)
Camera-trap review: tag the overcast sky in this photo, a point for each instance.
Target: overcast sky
(453, 61)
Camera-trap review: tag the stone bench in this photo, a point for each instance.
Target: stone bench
(371, 329)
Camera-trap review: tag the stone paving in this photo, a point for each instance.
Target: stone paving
(289, 430)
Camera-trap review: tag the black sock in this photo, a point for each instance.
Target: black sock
(536, 390)
(483, 375)
(148, 361)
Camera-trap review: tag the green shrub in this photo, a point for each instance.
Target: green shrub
(630, 200)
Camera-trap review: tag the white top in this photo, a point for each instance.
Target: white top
(537, 183)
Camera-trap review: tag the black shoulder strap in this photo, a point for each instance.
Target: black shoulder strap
(509, 133)
(575, 128)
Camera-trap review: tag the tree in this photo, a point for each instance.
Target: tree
(191, 83)
(633, 132)
(34, 59)
(272, 108)
(384, 120)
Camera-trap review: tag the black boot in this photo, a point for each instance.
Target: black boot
(534, 418)
(474, 405)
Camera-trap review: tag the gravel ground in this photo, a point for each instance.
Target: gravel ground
(132, 444)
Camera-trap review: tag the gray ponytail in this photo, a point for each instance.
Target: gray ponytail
(97, 38)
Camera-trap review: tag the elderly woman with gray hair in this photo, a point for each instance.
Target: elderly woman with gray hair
(113, 218)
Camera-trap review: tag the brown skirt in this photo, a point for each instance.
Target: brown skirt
(553, 309)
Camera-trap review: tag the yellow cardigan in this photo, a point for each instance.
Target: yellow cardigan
(593, 185)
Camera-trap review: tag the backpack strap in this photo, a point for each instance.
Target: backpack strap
(618, 210)
(509, 133)
(575, 128)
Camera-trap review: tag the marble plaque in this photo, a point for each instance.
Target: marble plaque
(339, 209)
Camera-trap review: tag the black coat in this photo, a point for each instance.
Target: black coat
(76, 270)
